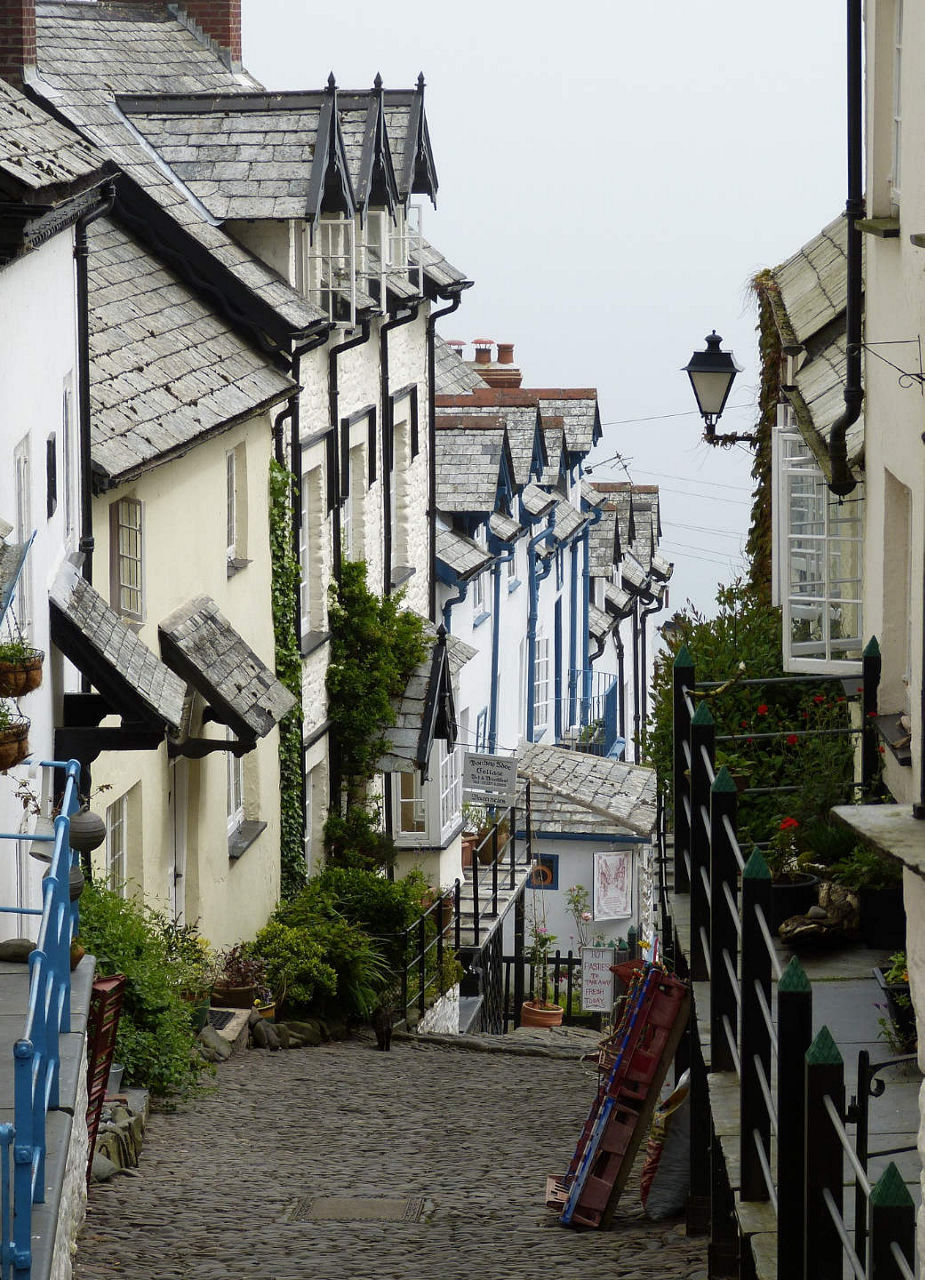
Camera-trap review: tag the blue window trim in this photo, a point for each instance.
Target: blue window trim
(512, 584)
(477, 621)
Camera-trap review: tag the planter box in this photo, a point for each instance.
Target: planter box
(900, 1010)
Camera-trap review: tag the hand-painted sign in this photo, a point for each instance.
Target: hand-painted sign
(596, 979)
(489, 779)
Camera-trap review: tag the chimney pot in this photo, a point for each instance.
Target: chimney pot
(483, 349)
(505, 353)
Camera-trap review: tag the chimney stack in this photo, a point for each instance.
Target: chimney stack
(503, 372)
(17, 39)
(221, 20)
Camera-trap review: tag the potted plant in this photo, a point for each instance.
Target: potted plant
(739, 764)
(20, 668)
(878, 883)
(239, 975)
(14, 737)
(540, 1012)
(899, 1027)
(793, 890)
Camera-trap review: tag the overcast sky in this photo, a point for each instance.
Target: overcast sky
(611, 176)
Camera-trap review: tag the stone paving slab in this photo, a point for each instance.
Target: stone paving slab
(226, 1183)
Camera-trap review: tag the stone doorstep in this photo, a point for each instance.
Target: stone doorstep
(234, 1031)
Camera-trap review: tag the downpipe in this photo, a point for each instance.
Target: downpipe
(535, 579)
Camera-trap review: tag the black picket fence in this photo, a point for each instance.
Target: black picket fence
(765, 1078)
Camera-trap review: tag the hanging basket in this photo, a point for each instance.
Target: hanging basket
(19, 676)
(14, 743)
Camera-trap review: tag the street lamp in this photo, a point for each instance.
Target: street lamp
(712, 373)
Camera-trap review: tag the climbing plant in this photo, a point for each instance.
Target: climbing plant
(758, 545)
(285, 588)
(375, 646)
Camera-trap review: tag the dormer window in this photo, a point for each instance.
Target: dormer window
(330, 267)
(390, 250)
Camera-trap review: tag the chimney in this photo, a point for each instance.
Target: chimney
(504, 372)
(221, 20)
(17, 39)
(483, 347)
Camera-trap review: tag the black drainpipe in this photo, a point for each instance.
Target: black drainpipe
(842, 481)
(81, 256)
(333, 403)
(432, 447)
(388, 448)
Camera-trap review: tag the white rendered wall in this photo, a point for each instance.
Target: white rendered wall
(38, 360)
(185, 556)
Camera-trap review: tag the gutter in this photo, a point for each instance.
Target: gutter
(842, 482)
(81, 257)
(432, 319)
(388, 444)
(333, 412)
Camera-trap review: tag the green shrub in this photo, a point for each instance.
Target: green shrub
(355, 840)
(155, 1042)
(321, 964)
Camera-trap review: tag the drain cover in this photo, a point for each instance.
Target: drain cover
(357, 1209)
(219, 1018)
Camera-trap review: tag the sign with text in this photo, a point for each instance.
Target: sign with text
(596, 979)
(613, 886)
(489, 779)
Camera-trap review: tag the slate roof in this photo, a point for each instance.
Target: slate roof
(590, 495)
(599, 624)
(812, 285)
(618, 600)
(200, 643)
(89, 53)
(568, 520)
(40, 159)
(602, 545)
(437, 269)
(452, 375)
(808, 298)
(468, 463)
(536, 501)
(632, 574)
(503, 526)
(520, 422)
(461, 554)
(165, 369)
(581, 417)
(110, 654)
(619, 793)
(554, 441)
(405, 735)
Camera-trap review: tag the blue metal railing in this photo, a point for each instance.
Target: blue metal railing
(37, 1056)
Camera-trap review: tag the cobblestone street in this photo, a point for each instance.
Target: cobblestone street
(226, 1184)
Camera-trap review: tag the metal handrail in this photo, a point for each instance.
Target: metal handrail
(37, 1055)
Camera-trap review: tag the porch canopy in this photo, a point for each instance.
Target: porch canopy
(427, 708)
(576, 784)
(240, 691)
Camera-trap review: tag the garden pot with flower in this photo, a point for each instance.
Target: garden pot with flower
(899, 1027)
(14, 738)
(793, 891)
(540, 1013)
(240, 974)
(20, 668)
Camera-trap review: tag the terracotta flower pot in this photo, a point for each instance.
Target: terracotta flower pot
(225, 997)
(537, 1013)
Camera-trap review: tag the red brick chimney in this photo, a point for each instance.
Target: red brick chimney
(503, 372)
(17, 39)
(220, 19)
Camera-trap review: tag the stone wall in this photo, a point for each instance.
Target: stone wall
(442, 1018)
(73, 1205)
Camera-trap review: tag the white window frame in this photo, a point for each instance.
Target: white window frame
(399, 487)
(481, 601)
(541, 677)
(126, 558)
(450, 770)
(234, 789)
(410, 809)
(330, 268)
(68, 468)
(311, 534)
(897, 122)
(353, 532)
(22, 463)
(798, 481)
(231, 504)
(117, 844)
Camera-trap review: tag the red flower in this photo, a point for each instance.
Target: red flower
(881, 749)
(763, 709)
(743, 724)
(872, 715)
(818, 698)
(749, 739)
(788, 824)
(792, 739)
(841, 699)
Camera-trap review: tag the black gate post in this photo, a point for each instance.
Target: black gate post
(794, 1035)
(724, 944)
(703, 734)
(520, 914)
(892, 1218)
(683, 678)
(756, 1034)
(825, 1076)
